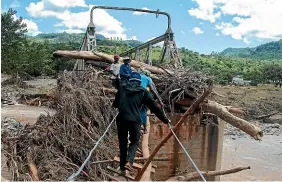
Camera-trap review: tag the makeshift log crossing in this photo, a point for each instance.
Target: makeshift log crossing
(83, 113)
(210, 106)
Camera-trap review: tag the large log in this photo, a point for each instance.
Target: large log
(135, 64)
(88, 55)
(101, 57)
(223, 113)
(195, 175)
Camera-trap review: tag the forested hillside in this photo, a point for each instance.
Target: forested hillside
(22, 55)
(78, 37)
(268, 51)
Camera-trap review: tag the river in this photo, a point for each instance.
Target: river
(264, 157)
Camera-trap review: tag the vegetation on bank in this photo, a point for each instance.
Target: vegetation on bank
(268, 51)
(24, 55)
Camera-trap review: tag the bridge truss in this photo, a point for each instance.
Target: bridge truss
(169, 52)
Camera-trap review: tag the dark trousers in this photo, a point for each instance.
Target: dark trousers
(133, 128)
(115, 83)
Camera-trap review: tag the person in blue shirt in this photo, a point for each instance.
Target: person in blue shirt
(147, 83)
(125, 71)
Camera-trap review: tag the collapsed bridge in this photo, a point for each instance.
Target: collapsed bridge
(169, 51)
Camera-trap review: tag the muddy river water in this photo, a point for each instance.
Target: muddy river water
(265, 157)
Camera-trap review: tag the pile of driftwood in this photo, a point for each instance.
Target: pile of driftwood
(57, 145)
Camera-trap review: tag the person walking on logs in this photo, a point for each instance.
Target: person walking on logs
(115, 69)
(129, 99)
(147, 83)
(125, 71)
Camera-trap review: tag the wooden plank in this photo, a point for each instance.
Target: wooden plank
(135, 165)
(117, 172)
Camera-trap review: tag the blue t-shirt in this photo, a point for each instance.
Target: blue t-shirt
(145, 81)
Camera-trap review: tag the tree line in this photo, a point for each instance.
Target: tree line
(24, 56)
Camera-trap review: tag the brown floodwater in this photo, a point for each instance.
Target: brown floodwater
(264, 157)
(24, 113)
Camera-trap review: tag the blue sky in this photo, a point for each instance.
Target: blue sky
(199, 25)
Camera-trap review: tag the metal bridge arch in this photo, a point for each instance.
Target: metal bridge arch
(169, 48)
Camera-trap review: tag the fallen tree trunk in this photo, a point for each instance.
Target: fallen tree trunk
(88, 55)
(190, 111)
(135, 64)
(223, 113)
(195, 175)
(101, 57)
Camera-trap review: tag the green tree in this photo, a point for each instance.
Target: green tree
(12, 41)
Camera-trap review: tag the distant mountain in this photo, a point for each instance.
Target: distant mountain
(268, 51)
(78, 37)
(63, 37)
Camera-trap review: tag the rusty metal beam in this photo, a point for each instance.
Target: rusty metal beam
(132, 9)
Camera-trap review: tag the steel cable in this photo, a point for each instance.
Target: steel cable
(71, 178)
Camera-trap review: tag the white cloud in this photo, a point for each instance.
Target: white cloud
(32, 27)
(15, 4)
(134, 38)
(37, 10)
(105, 24)
(252, 19)
(197, 30)
(141, 13)
(205, 10)
(67, 3)
(150, 39)
(246, 41)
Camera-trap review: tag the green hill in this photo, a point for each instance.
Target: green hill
(78, 37)
(268, 51)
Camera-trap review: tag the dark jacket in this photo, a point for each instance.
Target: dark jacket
(129, 100)
(125, 71)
